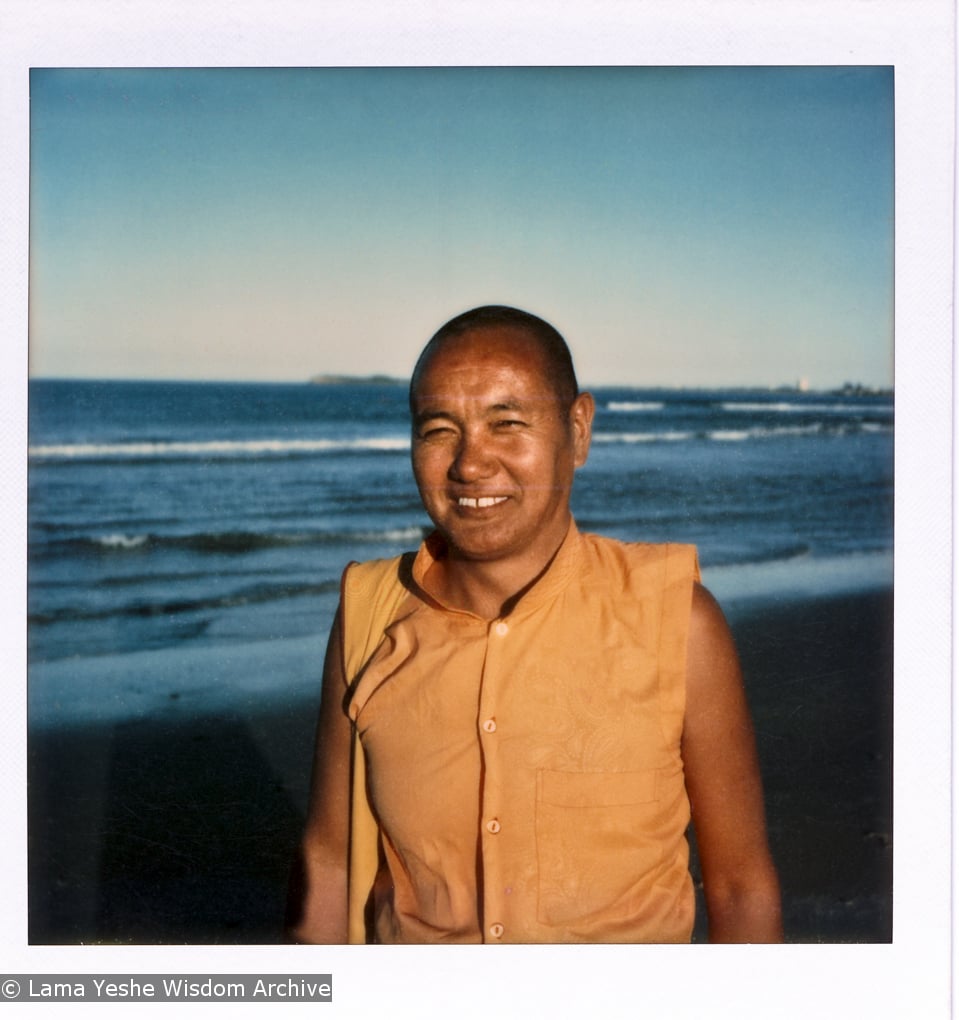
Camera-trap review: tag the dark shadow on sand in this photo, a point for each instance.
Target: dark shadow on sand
(819, 677)
(187, 837)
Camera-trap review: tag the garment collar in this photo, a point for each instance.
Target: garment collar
(551, 582)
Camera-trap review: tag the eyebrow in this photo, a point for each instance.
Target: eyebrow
(431, 414)
(509, 405)
(424, 416)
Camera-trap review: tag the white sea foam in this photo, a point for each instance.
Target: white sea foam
(789, 407)
(634, 405)
(641, 437)
(788, 430)
(731, 435)
(717, 435)
(217, 447)
(122, 541)
(738, 435)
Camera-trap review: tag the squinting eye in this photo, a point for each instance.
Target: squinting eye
(509, 422)
(437, 432)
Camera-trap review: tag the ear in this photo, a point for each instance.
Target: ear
(581, 425)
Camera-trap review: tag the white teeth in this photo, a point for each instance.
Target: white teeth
(482, 501)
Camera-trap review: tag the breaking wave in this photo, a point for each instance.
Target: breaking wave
(740, 435)
(216, 448)
(790, 407)
(634, 405)
(642, 437)
(226, 541)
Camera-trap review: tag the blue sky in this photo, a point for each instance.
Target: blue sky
(680, 226)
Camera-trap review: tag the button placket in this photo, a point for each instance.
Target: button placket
(494, 879)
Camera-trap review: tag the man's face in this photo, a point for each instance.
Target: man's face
(494, 451)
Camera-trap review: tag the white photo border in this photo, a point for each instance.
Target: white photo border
(910, 976)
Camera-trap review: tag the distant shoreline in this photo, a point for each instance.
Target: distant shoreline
(357, 380)
(846, 390)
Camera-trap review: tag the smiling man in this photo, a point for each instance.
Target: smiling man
(519, 721)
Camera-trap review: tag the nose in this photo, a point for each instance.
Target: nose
(473, 460)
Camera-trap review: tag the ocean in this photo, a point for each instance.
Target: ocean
(217, 518)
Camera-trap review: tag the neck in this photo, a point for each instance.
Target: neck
(487, 589)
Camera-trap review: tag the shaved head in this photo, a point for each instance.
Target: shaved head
(500, 318)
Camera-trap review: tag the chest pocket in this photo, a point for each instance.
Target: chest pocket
(596, 843)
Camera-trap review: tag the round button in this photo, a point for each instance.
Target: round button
(496, 930)
(490, 726)
(502, 628)
(493, 826)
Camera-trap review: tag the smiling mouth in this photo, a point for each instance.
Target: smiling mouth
(480, 501)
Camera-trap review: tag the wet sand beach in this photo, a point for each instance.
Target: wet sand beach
(179, 826)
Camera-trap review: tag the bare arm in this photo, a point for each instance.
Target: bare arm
(725, 792)
(317, 909)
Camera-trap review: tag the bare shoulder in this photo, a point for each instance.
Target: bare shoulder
(711, 650)
(706, 611)
(717, 717)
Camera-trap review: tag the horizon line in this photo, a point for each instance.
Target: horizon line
(379, 379)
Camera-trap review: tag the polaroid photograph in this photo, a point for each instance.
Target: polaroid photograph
(229, 250)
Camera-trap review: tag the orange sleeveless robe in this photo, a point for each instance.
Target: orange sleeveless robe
(525, 773)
